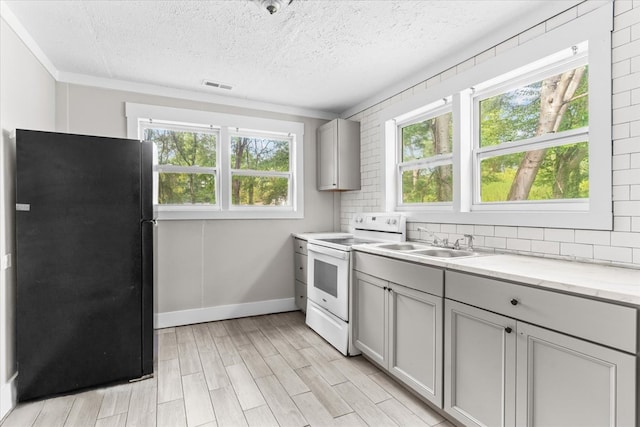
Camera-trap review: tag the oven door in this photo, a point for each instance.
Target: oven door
(328, 279)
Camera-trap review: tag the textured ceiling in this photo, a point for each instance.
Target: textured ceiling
(321, 55)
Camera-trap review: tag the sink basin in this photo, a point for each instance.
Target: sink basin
(444, 253)
(401, 246)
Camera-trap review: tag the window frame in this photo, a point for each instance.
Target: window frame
(261, 173)
(534, 73)
(594, 28)
(433, 111)
(226, 123)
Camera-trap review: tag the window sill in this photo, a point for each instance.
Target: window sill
(176, 214)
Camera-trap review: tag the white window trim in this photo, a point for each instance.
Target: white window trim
(223, 210)
(595, 28)
(434, 110)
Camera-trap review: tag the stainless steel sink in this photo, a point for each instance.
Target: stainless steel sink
(444, 253)
(401, 246)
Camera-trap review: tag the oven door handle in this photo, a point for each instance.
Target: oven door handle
(334, 253)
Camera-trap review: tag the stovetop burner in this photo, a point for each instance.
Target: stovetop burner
(347, 241)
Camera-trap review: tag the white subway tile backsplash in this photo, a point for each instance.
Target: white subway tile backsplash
(593, 237)
(519, 245)
(506, 45)
(487, 54)
(559, 235)
(495, 242)
(530, 233)
(465, 229)
(541, 246)
(576, 250)
(531, 33)
(630, 208)
(622, 99)
(483, 230)
(620, 192)
(620, 246)
(622, 223)
(501, 231)
(611, 253)
(621, 37)
(561, 18)
(627, 240)
(621, 6)
(449, 228)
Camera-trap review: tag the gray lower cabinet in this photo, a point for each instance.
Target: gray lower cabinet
(400, 329)
(565, 381)
(479, 366)
(300, 273)
(500, 370)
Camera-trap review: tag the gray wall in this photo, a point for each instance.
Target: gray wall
(204, 264)
(27, 100)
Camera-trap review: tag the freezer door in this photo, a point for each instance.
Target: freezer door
(79, 262)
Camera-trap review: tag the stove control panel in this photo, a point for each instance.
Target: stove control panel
(387, 222)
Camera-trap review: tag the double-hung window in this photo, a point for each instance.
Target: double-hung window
(425, 167)
(185, 163)
(212, 165)
(521, 139)
(260, 169)
(531, 136)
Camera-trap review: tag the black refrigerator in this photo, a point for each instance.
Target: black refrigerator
(84, 262)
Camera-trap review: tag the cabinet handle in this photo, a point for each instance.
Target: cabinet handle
(301, 268)
(514, 301)
(389, 289)
(385, 288)
(508, 330)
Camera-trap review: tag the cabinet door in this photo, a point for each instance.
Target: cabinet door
(566, 381)
(300, 264)
(370, 317)
(415, 340)
(480, 366)
(301, 296)
(327, 152)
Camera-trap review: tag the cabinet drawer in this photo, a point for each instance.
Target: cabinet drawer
(300, 246)
(301, 295)
(415, 276)
(605, 323)
(301, 267)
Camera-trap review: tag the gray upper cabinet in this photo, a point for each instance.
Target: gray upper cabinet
(338, 146)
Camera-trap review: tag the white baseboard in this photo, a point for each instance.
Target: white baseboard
(222, 312)
(8, 396)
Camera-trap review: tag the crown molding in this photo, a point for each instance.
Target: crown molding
(26, 38)
(148, 89)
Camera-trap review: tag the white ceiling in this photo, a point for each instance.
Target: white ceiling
(320, 55)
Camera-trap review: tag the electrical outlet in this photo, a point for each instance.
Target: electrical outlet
(6, 262)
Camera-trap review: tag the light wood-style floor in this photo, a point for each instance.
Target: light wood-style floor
(256, 371)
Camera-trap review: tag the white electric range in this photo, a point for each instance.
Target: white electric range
(329, 273)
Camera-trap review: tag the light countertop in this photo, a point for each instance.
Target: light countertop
(615, 284)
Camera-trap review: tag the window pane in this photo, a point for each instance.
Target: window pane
(555, 104)
(427, 185)
(259, 191)
(183, 148)
(186, 188)
(427, 138)
(563, 174)
(263, 154)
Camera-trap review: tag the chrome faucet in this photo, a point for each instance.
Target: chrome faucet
(436, 241)
(469, 238)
